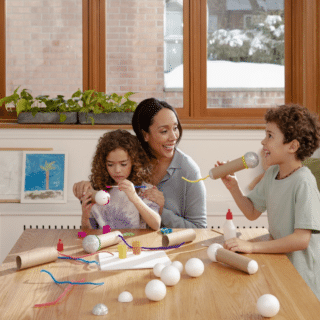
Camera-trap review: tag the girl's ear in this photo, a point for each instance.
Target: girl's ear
(145, 135)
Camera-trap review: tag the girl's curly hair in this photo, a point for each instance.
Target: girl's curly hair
(297, 123)
(141, 167)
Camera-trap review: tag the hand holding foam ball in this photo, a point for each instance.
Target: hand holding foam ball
(268, 305)
(194, 267)
(155, 290)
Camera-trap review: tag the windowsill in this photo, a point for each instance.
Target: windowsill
(195, 125)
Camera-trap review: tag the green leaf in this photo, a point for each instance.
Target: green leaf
(128, 94)
(92, 120)
(77, 94)
(63, 117)
(21, 106)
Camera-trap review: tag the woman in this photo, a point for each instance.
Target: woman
(182, 204)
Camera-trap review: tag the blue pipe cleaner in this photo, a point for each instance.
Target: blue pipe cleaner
(70, 282)
(156, 248)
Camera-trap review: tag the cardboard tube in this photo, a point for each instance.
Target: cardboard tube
(110, 238)
(227, 168)
(178, 237)
(35, 257)
(236, 260)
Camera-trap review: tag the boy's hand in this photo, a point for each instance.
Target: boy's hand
(239, 245)
(128, 188)
(230, 181)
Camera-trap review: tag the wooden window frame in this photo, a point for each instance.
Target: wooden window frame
(302, 56)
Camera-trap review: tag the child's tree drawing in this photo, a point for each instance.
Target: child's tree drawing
(47, 168)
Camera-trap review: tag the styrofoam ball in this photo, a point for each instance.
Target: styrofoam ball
(100, 309)
(102, 197)
(90, 244)
(157, 269)
(194, 267)
(170, 275)
(178, 265)
(125, 296)
(155, 290)
(212, 251)
(268, 305)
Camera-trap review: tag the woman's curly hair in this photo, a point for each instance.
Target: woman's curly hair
(141, 168)
(297, 123)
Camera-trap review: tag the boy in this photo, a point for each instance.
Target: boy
(288, 191)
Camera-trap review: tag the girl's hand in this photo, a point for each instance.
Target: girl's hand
(156, 196)
(86, 206)
(230, 181)
(239, 245)
(128, 188)
(80, 188)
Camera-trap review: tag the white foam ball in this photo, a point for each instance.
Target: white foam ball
(268, 305)
(194, 267)
(125, 296)
(170, 275)
(155, 290)
(178, 265)
(90, 244)
(212, 251)
(157, 269)
(100, 309)
(102, 197)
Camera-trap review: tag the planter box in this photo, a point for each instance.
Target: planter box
(106, 118)
(47, 117)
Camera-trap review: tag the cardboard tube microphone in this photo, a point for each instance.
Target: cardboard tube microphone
(249, 160)
(35, 257)
(178, 237)
(217, 253)
(93, 243)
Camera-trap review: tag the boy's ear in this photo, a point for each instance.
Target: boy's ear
(294, 145)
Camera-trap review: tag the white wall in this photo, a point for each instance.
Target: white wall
(204, 146)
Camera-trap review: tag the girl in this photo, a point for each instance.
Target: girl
(119, 160)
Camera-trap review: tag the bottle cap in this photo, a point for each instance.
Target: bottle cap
(229, 215)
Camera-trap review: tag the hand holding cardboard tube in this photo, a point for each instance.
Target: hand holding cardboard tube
(249, 160)
(217, 253)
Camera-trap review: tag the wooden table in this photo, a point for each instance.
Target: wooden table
(220, 293)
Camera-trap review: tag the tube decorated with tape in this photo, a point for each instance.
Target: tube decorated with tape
(217, 253)
(35, 257)
(93, 243)
(174, 238)
(249, 160)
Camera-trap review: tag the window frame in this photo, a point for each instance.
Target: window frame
(302, 56)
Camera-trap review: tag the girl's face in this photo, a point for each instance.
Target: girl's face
(276, 152)
(163, 134)
(118, 165)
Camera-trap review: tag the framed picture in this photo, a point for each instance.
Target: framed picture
(11, 171)
(44, 177)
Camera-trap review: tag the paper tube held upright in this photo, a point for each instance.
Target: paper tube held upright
(174, 238)
(35, 257)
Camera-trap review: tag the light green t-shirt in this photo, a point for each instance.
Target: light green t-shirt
(293, 203)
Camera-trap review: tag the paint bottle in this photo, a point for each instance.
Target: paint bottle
(229, 229)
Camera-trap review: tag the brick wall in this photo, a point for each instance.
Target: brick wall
(44, 46)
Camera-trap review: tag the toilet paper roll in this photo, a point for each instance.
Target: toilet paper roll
(178, 237)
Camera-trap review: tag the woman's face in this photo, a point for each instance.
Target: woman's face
(163, 134)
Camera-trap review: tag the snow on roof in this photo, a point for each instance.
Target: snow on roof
(271, 4)
(227, 74)
(238, 5)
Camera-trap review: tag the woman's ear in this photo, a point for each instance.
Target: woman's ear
(145, 135)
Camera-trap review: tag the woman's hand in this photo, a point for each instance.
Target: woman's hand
(156, 196)
(86, 206)
(80, 188)
(128, 188)
(239, 245)
(230, 181)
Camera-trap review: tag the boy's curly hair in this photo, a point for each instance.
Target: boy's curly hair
(297, 123)
(141, 168)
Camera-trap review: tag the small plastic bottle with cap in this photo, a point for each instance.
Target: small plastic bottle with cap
(229, 229)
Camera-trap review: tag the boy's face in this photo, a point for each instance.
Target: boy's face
(276, 152)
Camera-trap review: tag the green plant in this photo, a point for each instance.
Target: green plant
(99, 102)
(86, 101)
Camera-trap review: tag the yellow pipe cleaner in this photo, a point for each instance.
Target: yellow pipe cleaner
(194, 181)
(244, 162)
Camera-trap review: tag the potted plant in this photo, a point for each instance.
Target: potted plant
(41, 109)
(101, 108)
